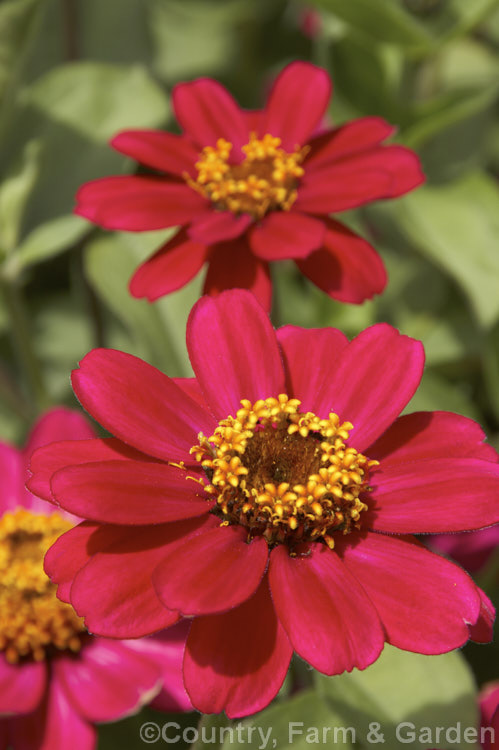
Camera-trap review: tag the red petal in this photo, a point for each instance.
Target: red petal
(424, 601)
(236, 662)
(155, 148)
(328, 618)
(350, 138)
(346, 267)
(310, 354)
(129, 493)
(432, 434)
(232, 366)
(74, 549)
(137, 204)
(232, 265)
(218, 226)
(436, 495)
(49, 459)
(108, 680)
(126, 606)
(376, 377)
(207, 112)
(384, 172)
(140, 404)
(286, 235)
(297, 103)
(170, 268)
(189, 579)
(483, 630)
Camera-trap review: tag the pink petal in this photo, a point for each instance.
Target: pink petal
(206, 111)
(50, 458)
(286, 235)
(436, 434)
(489, 710)
(384, 172)
(55, 425)
(310, 354)
(137, 204)
(11, 478)
(140, 404)
(170, 268)
(376, 377)
(165, 152)
(232, 265)
(73, 550)
(108, 680)
(237, 661)
(329, 620)
(483, 630)
(424, 601)
(218, 226)
(297, 103)
(126, 606)
(129, 492)
(350, 138)
(346, 267)
(54, 726)
(242, 360)
(204, 561)
(436, 495)
(167, 649)
(21, 686)
(472, 550)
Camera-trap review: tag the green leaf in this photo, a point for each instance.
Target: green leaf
(48, 240)
(209, 731)
(425, 691)
(385, 21)
(14, 193)
(456, 226)
(99, 99)
(158, 329)
(301, 722)
(16, 17)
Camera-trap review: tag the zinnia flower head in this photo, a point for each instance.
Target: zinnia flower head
(251, 187)
(271, 499)
(57, 680)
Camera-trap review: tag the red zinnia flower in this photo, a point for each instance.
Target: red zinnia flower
(252, 187)
(56, 680)
(274, 524)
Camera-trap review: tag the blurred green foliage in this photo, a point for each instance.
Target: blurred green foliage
(74, 72)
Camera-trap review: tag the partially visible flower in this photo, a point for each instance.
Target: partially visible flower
(472, 551)
(240, 499)
(489, 710)
(251, 187)
(56, 680)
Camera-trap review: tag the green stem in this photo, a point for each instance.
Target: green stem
(23, 344)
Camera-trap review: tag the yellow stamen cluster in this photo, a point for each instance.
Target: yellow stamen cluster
(284, 474)
(265, 180)
(32, 619)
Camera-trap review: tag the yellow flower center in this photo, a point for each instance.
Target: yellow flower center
(32, 619)
(284, 474)
(265, 181)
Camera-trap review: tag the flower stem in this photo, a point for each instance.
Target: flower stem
(23, 344)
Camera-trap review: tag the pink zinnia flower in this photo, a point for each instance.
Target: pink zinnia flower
(472, 551)
(56, 680)
(241, 500)
(248, 188)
